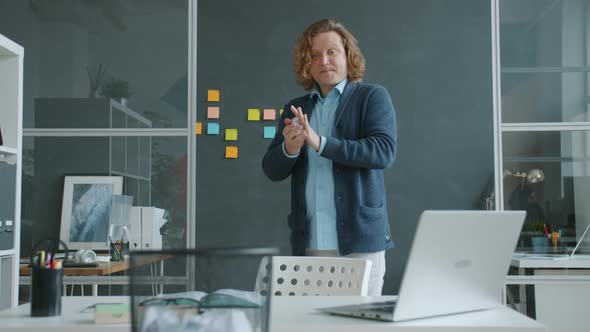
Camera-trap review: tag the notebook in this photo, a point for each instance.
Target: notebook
(458, 263)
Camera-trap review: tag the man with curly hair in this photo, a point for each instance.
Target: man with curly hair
(335, 143)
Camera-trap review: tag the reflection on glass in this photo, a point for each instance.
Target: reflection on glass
(559, 202)
(48, 159)
(90, 51)
(543, 59)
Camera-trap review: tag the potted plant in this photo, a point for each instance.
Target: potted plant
(116, 89)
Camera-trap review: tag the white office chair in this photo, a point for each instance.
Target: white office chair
(304, 275)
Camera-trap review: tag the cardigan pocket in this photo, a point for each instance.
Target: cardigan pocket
(371, 214)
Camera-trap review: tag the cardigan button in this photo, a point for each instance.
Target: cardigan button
(387, 238)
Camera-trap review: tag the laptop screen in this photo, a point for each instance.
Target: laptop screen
(458, 262)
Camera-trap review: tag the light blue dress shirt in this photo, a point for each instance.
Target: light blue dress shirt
(319, 189)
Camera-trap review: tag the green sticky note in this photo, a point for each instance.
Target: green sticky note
(231, 134)
(253, 114)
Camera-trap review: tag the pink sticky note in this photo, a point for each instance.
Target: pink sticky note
(213, 112)
(269, 114)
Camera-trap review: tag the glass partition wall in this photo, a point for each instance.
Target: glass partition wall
(105, 94)
(544, 128)
(543, 155)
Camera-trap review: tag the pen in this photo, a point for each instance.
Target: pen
(41, 261)
(48, 260)
(546, 231)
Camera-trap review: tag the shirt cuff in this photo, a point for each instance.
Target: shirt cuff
(322, 144)
(289, 155)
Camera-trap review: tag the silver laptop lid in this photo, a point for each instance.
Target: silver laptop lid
(458, 262)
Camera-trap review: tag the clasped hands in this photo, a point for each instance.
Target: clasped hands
(298, 132)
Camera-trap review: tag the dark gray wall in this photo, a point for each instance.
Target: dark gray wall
(433, 56)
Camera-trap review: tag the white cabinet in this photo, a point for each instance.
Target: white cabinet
(11, 106)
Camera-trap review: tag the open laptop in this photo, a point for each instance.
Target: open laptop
(457, 263)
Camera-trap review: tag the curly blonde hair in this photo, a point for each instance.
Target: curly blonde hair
(302, 52)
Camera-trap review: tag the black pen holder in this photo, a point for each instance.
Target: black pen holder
(46, 287)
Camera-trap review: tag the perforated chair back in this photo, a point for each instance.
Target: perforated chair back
(304, 275)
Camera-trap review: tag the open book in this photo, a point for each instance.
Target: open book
(222, 298)
(189, 311)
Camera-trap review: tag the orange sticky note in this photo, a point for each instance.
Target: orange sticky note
(253, 114)
(231, 134)
(213, 112)
(199, 128)
(231, 152)
(269, 114)
(213, 95)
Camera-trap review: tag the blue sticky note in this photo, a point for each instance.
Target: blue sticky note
(212, 128)
(269, 132)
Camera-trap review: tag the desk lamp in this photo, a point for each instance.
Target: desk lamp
(532, 176)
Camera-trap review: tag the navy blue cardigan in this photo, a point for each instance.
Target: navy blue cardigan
(364, 142)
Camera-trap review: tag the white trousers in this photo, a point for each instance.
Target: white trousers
(377, 267)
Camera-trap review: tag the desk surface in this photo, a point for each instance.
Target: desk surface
(101, 269)
(292, 313)
(532, 261)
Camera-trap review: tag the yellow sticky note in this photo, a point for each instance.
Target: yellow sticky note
(231, 152)
(213, 112)
(213, 95)
(231, 134)
(269, 114)
(199, 128)
(281, 112)
(253, 114)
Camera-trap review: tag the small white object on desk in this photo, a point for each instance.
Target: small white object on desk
(103, 259)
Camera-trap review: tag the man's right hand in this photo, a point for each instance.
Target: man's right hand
(294, 135)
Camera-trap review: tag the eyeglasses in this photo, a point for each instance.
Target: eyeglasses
(180, 301)
(214, 300)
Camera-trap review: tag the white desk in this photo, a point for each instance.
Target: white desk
(561, 290)
(297, 314)
(71, 320)
(288, 314)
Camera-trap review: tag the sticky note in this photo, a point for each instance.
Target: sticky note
(281, 112)
(231, 152)
(199, 128)
(253, 114)
(213, 112)
(213, 95)
(231, 134)
(269, 114)
(213, 128)
(270, 132)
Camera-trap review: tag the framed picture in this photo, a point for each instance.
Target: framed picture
(86, 210)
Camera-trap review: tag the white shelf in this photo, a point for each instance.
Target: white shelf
(9, 252)
(4, 150)
(8, 47)
(11, 106)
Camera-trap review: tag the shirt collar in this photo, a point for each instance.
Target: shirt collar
(340, 86)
